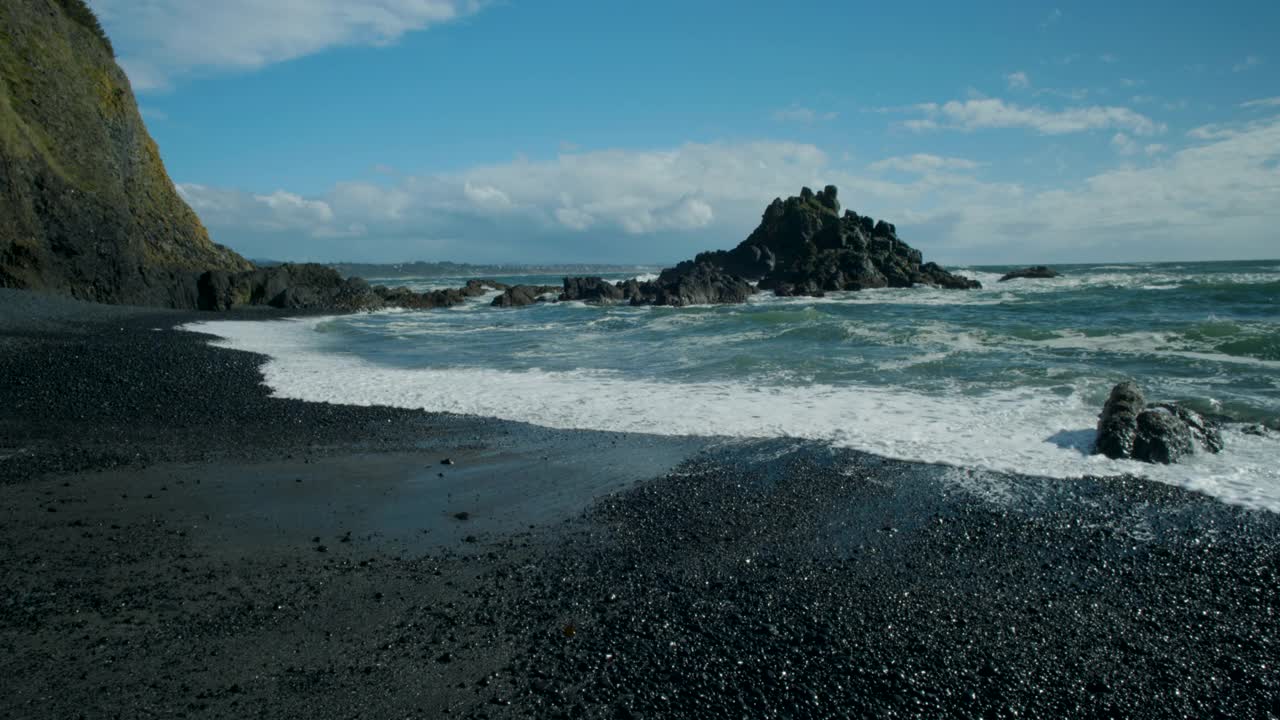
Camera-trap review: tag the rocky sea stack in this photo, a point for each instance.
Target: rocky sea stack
(86, 208)
(803, 246)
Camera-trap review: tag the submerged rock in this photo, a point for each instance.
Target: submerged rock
(403, 297)
(688, 283)
(475, 288)
(522, 295)
(592, 290)
(1206, 432)
(1161, 437)
(1039, 272)
(692, 283)
(318, 287)
(1162, 433)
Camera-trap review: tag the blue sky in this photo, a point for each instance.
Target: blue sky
(466, 130)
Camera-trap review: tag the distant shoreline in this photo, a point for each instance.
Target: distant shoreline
(426, 269)
(452, 270)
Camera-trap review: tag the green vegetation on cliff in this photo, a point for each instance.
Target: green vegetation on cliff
(78, 11)
(86, 207)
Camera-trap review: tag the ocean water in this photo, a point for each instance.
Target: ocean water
(1007, 379)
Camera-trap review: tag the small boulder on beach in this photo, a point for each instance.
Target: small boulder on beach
(1161, 433)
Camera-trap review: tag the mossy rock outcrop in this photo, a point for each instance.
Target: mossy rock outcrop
(86, 207)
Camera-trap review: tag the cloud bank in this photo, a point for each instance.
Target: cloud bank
(171, 38)
(1219, 197)
(994, 113)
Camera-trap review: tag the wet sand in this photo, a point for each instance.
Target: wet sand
(179, 544)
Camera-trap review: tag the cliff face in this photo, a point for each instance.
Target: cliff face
(86, 207)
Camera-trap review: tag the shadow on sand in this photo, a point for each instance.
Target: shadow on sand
(1078, 440)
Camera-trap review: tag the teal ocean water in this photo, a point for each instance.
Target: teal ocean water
(1005, 379)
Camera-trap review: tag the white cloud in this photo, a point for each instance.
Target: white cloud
(275, 212)
(1214, 199)
(1248, 63)
(633, 205)
(1262, 102)
(921, 125)
(921, 163)
(573, 218)
(1018, 80)
(607, 193)
(1076, 94)
(160, 40)
(288, 205)
(1108, 58)
(364, 201)
(486, 196)
(995, 113)
(805, 115)
(1212, 131)
(1054, 16)
(1124, 144)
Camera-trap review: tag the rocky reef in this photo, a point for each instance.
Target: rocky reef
(524, 295)
(1035, 272)
(689, 283)
(803, 246)
(1165, 433)
(318, 287)
(86, 207)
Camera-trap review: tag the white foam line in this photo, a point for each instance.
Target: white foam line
(1025, 431)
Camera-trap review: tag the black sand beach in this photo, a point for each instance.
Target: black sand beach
(176, 543)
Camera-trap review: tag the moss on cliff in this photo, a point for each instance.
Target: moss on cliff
(86, 207)
(78, 12)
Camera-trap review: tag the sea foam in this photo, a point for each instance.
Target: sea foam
(1021, 430)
